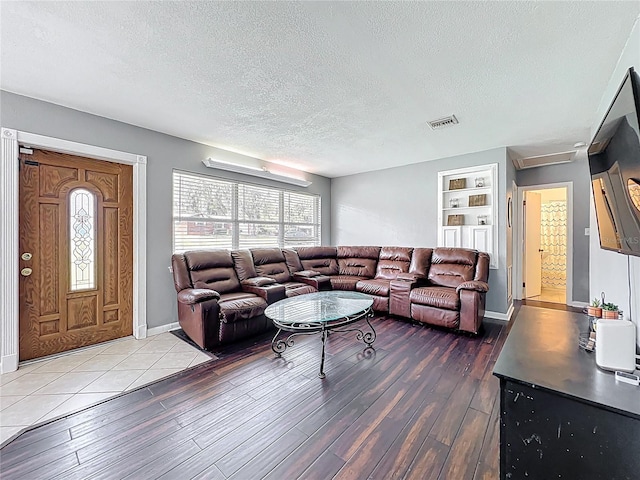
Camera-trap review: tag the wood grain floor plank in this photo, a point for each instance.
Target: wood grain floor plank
(160, 464)
(446, 427)
(325, 466)
(241, 455)
(392, 366)
(267, 459)
(464, 453)
(46, 471)
(19, 456)
(24, 463)
(489, 466)
(487, 392)
(408, 410)
(396, 461)
(428, 461)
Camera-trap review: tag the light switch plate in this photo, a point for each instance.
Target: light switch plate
(587, 232)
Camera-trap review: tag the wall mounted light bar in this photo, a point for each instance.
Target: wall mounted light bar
(255, 171)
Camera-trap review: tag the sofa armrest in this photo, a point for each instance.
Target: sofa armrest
(471, 310)
(192, 296)
(409, 277)
(258, 282)
(399, 292)
(306, 274)
(271, 293)
(319, 282)
(476, 285)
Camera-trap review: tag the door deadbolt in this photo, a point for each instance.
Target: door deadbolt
(25, 272)
(26, 256)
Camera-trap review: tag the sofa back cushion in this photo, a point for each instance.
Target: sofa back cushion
(421, 262)
(270, 262)
(392, 261)
(212, 269)
(243, 263)
(292, 260)
(319, 259)
(358, 261)
(452, 266)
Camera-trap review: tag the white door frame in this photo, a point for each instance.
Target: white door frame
(519, 235)
(9, 226)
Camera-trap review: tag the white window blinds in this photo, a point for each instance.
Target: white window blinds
(213, 213)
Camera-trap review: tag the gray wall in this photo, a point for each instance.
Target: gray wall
(609, 269)
(578, 173)
(398, 206)
(164, 153)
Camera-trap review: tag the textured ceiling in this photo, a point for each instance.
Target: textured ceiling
(332, 88)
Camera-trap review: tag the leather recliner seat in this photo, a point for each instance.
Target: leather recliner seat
(212, 307)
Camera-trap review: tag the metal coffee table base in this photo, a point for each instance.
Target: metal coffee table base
(309, 328)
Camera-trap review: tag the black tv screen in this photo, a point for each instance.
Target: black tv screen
(614, 162)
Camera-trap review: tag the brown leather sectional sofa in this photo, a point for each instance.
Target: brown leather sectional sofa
(222, 294)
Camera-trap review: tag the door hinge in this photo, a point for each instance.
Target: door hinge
(522, 284)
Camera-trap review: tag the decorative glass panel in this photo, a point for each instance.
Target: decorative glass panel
(82, 216)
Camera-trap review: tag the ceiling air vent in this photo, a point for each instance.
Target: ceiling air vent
(443, 122)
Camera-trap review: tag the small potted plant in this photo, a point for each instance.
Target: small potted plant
(610, 311)
(595, 310)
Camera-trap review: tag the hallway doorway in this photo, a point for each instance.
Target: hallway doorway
(545, 244)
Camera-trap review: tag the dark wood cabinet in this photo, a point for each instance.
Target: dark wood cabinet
(560, 415)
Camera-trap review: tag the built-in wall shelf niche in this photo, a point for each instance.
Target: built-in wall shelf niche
(468, 209)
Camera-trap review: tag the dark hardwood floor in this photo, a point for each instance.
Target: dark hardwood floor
(422, 406)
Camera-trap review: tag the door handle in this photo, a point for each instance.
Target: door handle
(25, 272)
(540, 250)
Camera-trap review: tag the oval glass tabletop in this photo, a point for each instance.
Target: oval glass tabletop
(320, 307)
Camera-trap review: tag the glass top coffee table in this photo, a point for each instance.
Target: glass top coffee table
(320, 312)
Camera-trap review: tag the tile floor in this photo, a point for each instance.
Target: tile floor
(553, 295)
(49, 388)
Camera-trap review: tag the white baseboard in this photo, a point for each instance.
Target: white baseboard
(162, 328)
(8, 363)
(505, 317)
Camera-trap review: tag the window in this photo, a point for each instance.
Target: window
(210, 212)
(82, 239)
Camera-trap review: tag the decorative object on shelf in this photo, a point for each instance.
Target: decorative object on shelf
(453, 220)
(594, 310)
(457, 183)
(483, 220)
(610, 311)
(479, 182)
(478, 200)
(454, 202)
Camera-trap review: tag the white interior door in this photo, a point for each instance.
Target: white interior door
(532, 250)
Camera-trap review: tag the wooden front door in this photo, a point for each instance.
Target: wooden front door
(76, 252)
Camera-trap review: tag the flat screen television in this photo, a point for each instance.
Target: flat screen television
(614, 162)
